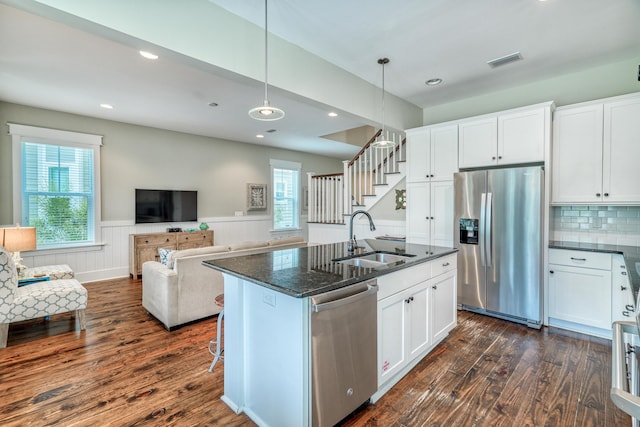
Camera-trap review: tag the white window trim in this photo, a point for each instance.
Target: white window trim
(20, 133)
(284, 164)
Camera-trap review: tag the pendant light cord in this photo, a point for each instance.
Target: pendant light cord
(266, 55)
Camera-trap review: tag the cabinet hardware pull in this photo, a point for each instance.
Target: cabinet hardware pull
(597, 194)
(551, 272)
(435, 287)
(446, 264)
(493, 158)
(606, 194)
(624, 273)
(629, 307)
(432, 175)
(408, 300)
(499, 157)
(146, 241)
(578, 259)
(626, 313)
(623, 288)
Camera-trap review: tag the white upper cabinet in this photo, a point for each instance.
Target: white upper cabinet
(507, 138)
(621, 151)
(478, 142)
(577, 155)
(432, 153)
(596, 147)
(521, 136)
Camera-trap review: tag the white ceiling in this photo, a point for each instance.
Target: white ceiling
(60, 67)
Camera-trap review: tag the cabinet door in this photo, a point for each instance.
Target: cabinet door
(580, 295)
(392, 349)
(621, 153)
(478, 143)
(443, 156)
(418, 147)
(444, 309)
(441, 222)
(418, 215)
(418, 303)
(521, 137)
(577, 155)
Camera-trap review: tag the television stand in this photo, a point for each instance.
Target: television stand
(144, 247)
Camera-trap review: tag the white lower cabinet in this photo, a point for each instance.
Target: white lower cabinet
(412, 320)
(588, 291)
(404, 321)
(444, 315)
(580, 295)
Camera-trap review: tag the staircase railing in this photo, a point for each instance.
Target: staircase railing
(333, 196)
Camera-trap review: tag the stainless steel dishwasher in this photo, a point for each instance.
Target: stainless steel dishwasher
(343, 351)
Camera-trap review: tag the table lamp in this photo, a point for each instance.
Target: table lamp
(18, 239)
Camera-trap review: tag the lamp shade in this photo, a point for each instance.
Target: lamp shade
(18, 239)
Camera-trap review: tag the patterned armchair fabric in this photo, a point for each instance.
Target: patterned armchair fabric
(35, 300)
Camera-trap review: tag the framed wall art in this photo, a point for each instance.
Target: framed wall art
(256, 197)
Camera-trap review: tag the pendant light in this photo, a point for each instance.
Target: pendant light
(266, 112)
(383, 140)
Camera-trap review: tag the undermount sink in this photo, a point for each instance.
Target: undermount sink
(374, 259)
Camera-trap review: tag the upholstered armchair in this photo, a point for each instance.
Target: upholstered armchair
(36, 300)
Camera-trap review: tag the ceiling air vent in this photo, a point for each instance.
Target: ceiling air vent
(504, 60)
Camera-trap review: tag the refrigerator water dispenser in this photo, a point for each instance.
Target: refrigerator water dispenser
(469, 231)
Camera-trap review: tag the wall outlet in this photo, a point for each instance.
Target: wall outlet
(239, 213)
(269, 298)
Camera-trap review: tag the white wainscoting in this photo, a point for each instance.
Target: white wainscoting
(331, 233)
(110, 258)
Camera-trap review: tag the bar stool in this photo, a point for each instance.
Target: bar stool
(215, 345)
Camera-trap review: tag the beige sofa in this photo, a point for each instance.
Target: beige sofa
(184, 290)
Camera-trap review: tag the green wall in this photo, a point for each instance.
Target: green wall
(616, 78)
(143, 157)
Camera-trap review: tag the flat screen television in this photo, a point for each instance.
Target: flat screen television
(166, 206)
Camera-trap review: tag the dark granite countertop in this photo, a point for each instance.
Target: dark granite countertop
(307, 271)
(631, 255)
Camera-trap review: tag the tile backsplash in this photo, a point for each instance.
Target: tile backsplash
(596, 224)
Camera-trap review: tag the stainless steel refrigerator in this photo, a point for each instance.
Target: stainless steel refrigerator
(498, 225)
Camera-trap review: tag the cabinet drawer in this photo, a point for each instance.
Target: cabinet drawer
(575, 258)
(193, 237)
(444, 264)
(157, 241)
(399, 281)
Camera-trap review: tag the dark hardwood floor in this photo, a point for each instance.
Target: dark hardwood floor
(126, 370)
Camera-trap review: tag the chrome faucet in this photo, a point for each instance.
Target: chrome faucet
(353, 244)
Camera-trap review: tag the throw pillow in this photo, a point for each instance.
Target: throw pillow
(165, 258)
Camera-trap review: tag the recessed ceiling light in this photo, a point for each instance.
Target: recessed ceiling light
(106, 106)
(148, 55)
(259, 135)
(332, 114)
(433, 82)
(213, 104)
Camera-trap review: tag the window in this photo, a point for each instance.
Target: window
(286, 194)
(56, 184)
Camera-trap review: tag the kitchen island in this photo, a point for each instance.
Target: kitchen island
(268, 309)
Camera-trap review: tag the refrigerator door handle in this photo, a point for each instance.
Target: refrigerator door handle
(481, 230)
(487, 234)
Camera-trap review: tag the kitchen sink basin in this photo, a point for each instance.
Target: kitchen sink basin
(374, 259)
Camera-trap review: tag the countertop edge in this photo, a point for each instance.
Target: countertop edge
(336, 285)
